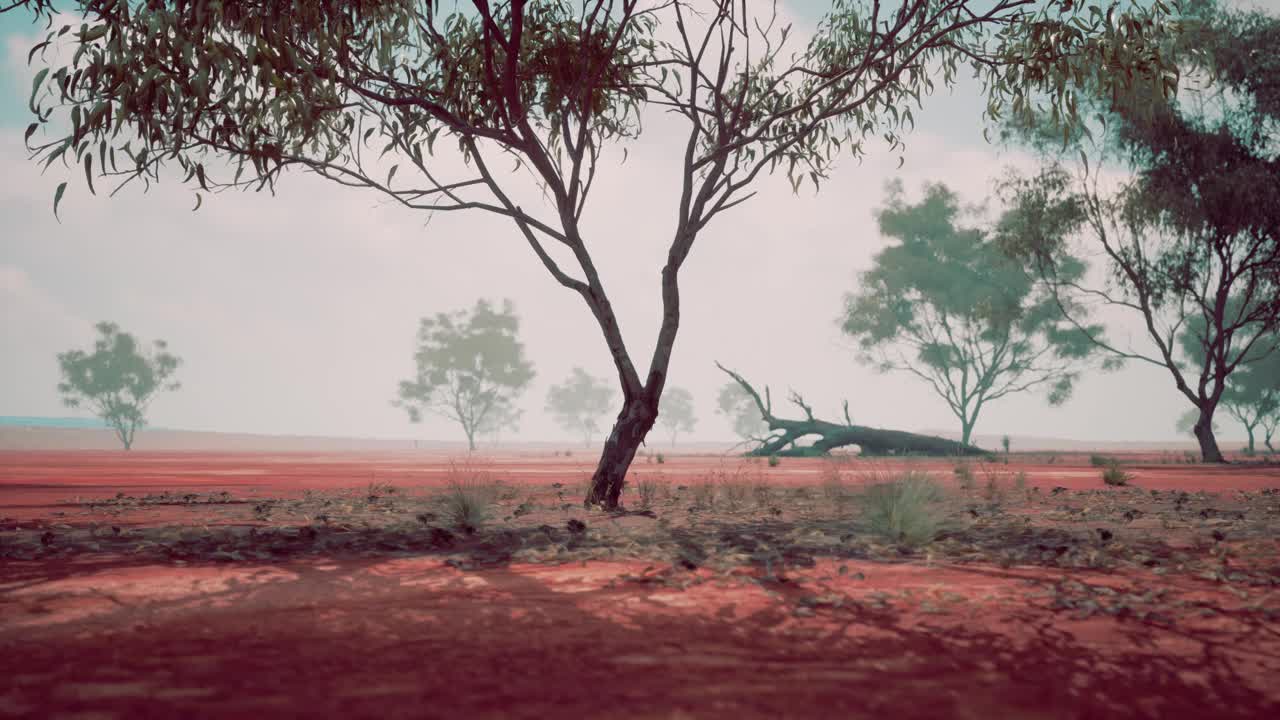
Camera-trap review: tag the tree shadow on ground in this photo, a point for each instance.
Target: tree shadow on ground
(342, 635)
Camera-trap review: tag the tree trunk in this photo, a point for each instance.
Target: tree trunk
(471, 440)
(1209, 451)
(1249, 429)
(629, 430)
(966, 430)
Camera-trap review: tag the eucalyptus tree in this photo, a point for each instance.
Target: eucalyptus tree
(118, 379)
(430, 103)
(675, 412)
(736, 404)
(945, 304)
(471, 369)
(1189, 233)
(579, 403)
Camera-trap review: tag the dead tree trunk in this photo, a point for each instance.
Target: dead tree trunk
(785, 433)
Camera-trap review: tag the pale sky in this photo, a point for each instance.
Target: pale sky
(296, 314)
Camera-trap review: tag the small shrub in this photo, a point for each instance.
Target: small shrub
(761, 491)
(1115, 476)
(903, 508)
(647, 489)
(704, 495)
(774, 461)
(1102, 461)
(661, 458)
(1020, 481)
(468, 496)
(964, 474)
(734, 492)
(833, 487)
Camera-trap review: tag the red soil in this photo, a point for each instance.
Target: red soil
(414, 637)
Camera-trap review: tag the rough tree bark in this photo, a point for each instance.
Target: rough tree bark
(872, 441)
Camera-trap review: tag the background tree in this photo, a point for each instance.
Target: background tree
(236, 93)
(736, 404)
(675, 413)
(945, 304)
(579, 402)
(471, 369)
(117, 380)
(1252, 395)
(1192, 230)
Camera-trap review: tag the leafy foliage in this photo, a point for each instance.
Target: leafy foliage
(118, 379)
(675, 413)
(471, 369)
(945, 303)
(1191, 238)
(579, 402)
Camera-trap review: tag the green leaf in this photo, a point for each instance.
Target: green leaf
(31, 129)
(57, 198)
(88, 172)
(35, 87)
(392, 174)
(199, 200)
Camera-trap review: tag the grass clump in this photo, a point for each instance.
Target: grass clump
(964, 474)
(904, 508)
(468, 497)
(703, 495)
(1115, 476)
(647, 489)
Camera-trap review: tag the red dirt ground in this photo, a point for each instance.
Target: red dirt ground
(105, 635)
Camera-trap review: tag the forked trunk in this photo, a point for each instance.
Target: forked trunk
(1209, 451)
(629, 431)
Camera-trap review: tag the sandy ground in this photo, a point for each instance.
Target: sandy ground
(322, 585)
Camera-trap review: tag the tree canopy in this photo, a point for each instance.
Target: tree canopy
(1190, 234)
(118, 379)
(471, 369)
(429, 103)
(579, 403)
(944, 303)
(737, 405)
(675, 413)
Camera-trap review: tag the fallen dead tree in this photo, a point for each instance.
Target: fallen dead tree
(784, 434)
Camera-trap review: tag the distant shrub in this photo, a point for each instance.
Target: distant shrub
(774, 461)
(904, 508)
(1102, 461)
(661, 458)
(1115, 475)
(964, 474)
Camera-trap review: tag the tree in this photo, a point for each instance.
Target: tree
(945, 304)
(117, 380)
(579, 402)
(236, 93)
(735, 403)
(675, 413)
(471, 369)
(1192, 233)
(784, 435)
(1252, 395)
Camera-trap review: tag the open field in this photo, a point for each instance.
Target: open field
(256, 585)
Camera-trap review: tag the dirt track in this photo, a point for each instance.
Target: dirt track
(844, 629)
